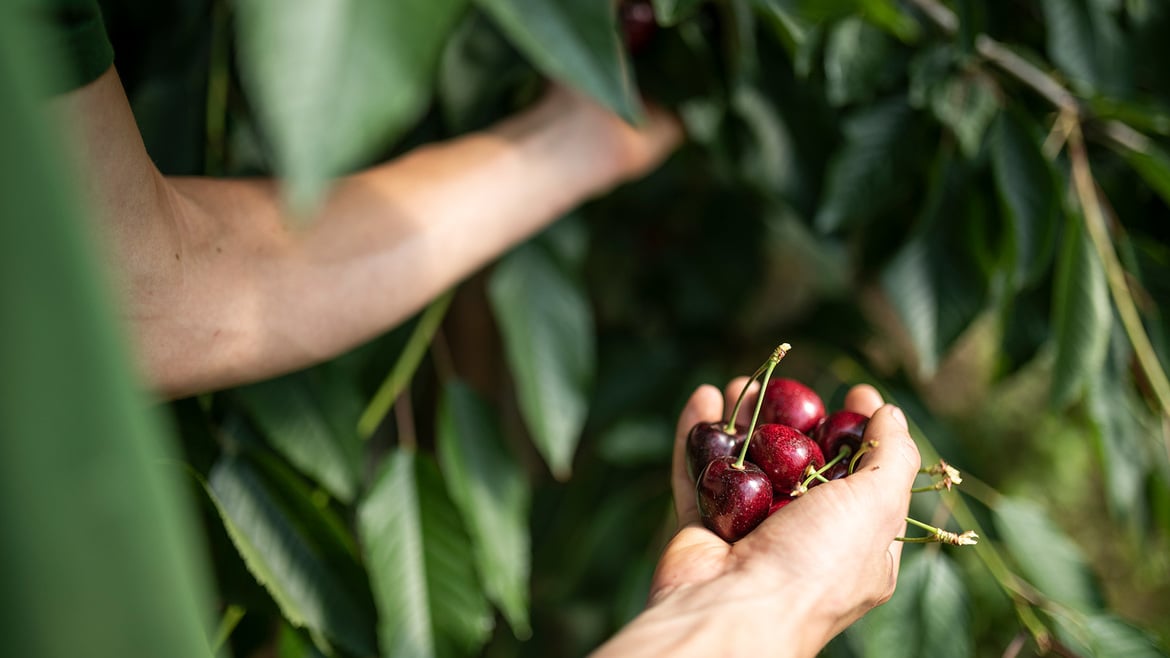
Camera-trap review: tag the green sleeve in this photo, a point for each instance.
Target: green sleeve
(76, 36)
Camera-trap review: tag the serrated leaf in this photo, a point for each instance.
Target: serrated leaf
(547, 328)
(1028, 195)
(294, 553)
(1047, 558)
(310, 423)
(419, 558)
(335, 82)
(490, 489)
(927, 616)
(856, 54)
(864, 174)
(1082, 315)
(574, 41)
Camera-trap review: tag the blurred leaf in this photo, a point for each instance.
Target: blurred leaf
(671, 12)
(642, 440)
(547, 329)
(1087, 44)
(575, 42)
(310, 423)
(428, 599)
(1082, 315)
(335, 82)
(490, 489)
(1105, 636)
(100, 555)
(1028, 193)
(927, 616)
(1144, 116)
(1153, 165)
(293, 551)
(1046, 556)
(863, 174)
(480, 74)
(764, 153)
(856, 57)
(966, 104)
(909, 282)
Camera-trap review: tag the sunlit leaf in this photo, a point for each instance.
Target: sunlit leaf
(857, 55)
(1105, 636)
(335, 82)
(909, 282)
(489, 488)
(1046, 556)
(419, 558)
(575, 42)
(1087, 44)
(547, 328)
(1082, 315)
(293, 550)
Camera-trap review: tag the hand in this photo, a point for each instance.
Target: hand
(802, 576)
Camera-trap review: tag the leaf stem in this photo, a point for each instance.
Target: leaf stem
(777, 354)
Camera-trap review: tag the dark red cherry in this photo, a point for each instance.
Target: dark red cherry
(841, 428)
(638, 24)
(706, 441)
(785, 455)
(788, 402)
(733, 501)
(778, 502)
(837, 471)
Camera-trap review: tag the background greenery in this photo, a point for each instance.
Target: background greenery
(964, 203)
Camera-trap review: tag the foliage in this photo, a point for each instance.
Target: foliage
(965, 203)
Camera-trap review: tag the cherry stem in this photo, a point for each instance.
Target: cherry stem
(865, 447)
(730, 426)
(818, 474)
(769, 366)
(968, 538)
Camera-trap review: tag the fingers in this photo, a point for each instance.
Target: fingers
(705, 404)
(887, 471)
(863, 399)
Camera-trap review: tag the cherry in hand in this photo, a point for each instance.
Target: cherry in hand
(706, 441)
(733, 499)
(789, 402)
(785, 455)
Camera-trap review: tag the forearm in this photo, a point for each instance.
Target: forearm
(221, 288)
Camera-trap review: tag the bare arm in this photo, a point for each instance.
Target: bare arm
(220, 289)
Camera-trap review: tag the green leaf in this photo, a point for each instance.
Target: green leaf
(856, 57)
(1082, 315)
(1028, 194)
(909, 282)
(966, 104)
(927, 616)
(479, 75)
(671, 12)
(1145, 116)
(1105, 636)
(641, 440)
(100, 555)
(336, 82)
(1046, 556)
(574, 41)
(310, 421)
(419, 558)
(294, 549)
(547, 328)
(1088, 46)
(1152, 164)
(490, 489)
(864, 174)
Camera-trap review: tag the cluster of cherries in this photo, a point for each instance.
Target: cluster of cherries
(743, 475)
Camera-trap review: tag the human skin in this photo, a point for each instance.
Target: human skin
(220, 286)
(800, 578)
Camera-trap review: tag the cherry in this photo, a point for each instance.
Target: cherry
(788, 402)
(785, 455)
(733, 501)
(706, 441)
(841, 428)
(778, 502)
(638, 24)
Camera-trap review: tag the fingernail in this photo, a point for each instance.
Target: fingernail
(899, 418)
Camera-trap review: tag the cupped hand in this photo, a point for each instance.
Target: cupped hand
(802, 576)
